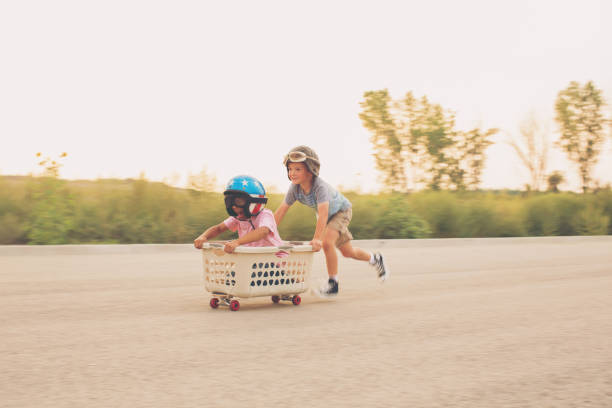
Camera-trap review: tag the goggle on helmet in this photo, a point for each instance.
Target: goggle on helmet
(245, 192)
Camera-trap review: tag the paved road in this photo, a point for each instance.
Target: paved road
(462, 323)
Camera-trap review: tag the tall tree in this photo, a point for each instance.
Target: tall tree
(532, 149)
(581, 122)
(378, 119)
(430, 133)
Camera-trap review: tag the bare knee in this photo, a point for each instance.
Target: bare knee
(328, 245)
(347, 252)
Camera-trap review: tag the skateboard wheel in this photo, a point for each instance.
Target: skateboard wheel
(234, 305)
(276, 299)
(296, 300)
(214, 303)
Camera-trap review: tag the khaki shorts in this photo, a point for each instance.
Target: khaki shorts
(340, 222)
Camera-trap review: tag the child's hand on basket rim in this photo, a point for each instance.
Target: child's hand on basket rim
(231, 246)
(316, 244)
(199, 241)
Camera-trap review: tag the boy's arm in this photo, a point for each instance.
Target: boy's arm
(251, 236)
(209, 234)
(322, 213)
(280, 212)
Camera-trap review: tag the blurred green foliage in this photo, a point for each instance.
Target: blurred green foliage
(414, 133)
(581, 120)
(47, 210)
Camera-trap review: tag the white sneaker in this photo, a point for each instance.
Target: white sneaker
(379, 264)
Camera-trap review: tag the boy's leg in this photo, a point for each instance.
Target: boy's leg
(330, 237)
(349, 251)
(330, 288)
(377, 260)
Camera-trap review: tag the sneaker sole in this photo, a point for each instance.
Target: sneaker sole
(387, 271)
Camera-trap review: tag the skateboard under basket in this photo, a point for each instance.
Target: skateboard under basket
(280, 272)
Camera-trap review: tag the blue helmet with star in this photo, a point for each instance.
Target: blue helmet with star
(245, 192)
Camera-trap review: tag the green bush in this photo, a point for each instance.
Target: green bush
(568, 214)
(603, 201)
(13, 213)
(508, 217)
(52, 212)
(541, 218)
(398, 220)
(12, 231)
(441, 210)
(590, 221)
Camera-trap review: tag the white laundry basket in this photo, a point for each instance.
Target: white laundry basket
(280, 272)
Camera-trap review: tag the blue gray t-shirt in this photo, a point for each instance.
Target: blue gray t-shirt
(320, 192)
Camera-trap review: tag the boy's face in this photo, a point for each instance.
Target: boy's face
(299, 173)
(238, 207)
(239, 212)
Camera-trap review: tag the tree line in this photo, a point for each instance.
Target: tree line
(416, 144)
(49, 210)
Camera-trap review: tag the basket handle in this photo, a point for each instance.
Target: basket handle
(215, 245)
(285, 248)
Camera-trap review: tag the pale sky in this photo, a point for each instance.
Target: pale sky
(168, 87)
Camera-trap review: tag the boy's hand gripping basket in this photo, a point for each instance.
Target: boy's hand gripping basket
(280, 272)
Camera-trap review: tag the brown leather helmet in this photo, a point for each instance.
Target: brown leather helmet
(303, 154)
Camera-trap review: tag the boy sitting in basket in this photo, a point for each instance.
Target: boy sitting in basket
(245, 199)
